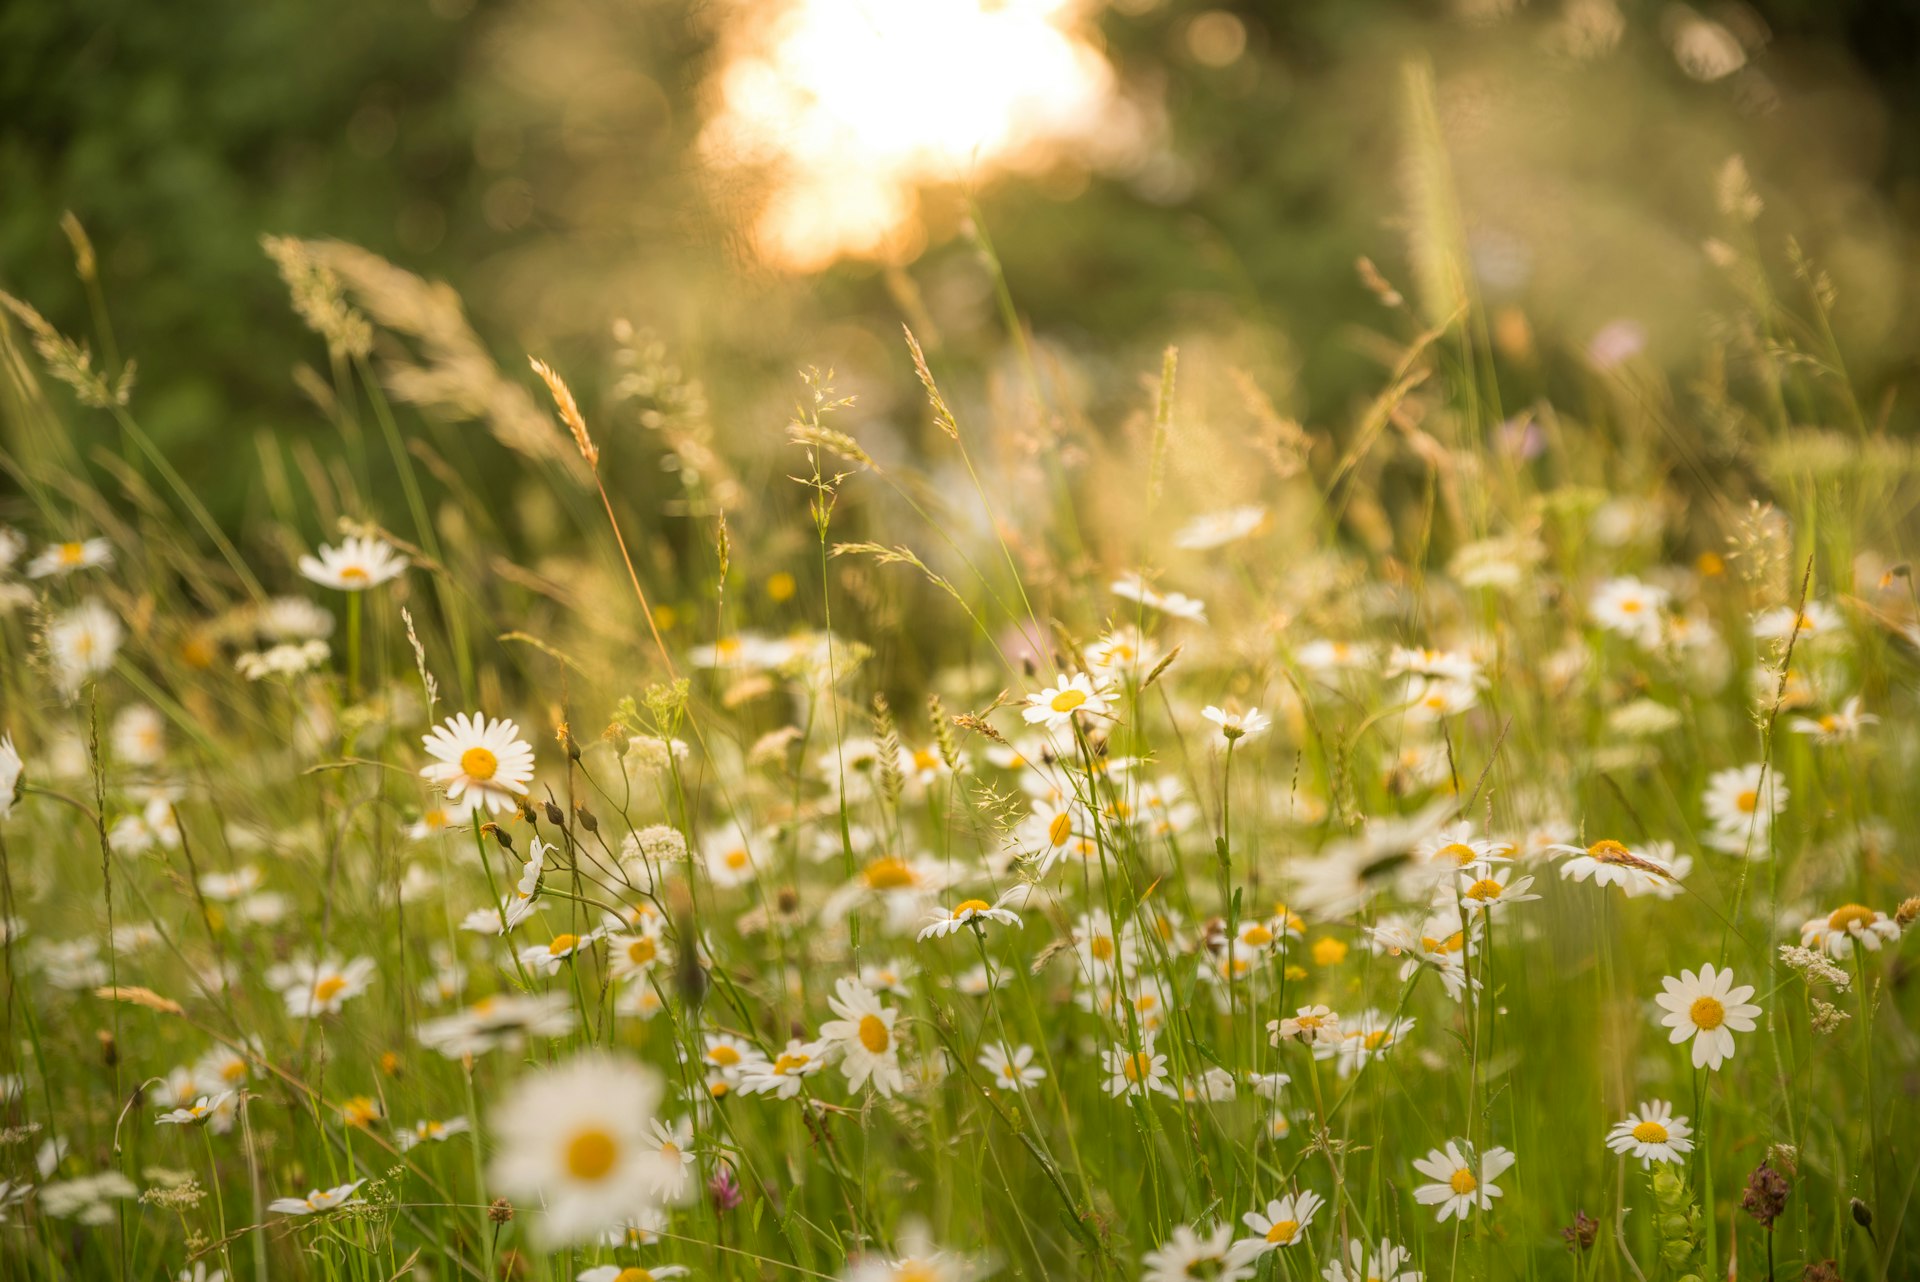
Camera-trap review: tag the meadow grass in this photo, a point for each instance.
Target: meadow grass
(1202, 847)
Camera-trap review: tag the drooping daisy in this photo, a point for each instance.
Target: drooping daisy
(1309, 1024)
(1285, 1221)
(520, 901)
(1186, 1256)
(1057, 705)
(942, 922)
(1011, 1070)
(1235, 726)
(1651, 868)
(864, 1036)
(1385, 1263)
(1839, 726)
(198, 1111)
(65, 558)
(356, 565)
(573, 1139)
(1459, 1185)
(483, 762)
(781, 1076)
(1492, 889)
(430, 1131)
(1135, 1072)
(1709, 1009)
(317, 1201)
(1837, 932)
(1653, 1134)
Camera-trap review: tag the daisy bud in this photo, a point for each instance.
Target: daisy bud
(556, 816)
(499, 834)
(587, 820)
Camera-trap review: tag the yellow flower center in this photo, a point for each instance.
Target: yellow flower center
(1283, 1232)
(1748, 801)
(1309, 1022)
(736, 859)
(1451, 944)
(1138, 1067)
(1067, 700)
(479, 764)
(1329, 951)
(1632, 605)
(970, 906)
(1101, 947)
(1608, 851)
(924, 760)
(724, 1056)
(328, 988)
(1463, 1182)
(1060, 828)
(1848, 916)
(1256, 935)
(1707, 1013)
(1458, 851)
(890, 874)
(562, 944)
(1650, 1133)
(633, 1274)
(591, 1154)
(874, 1034)
(1374, 1040)
(642, 950)
(72, 553)
(1484, 889)
(354, 574)
(790, 1062)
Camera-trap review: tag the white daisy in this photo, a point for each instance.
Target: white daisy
(1186, 1256)
(548, 958)
(1653, 1134)
(1057, 705)
(673, 1180)
(1310, 1024)
(1837, 932)
(1490, 890)
(65, 558)
(317, 1201)
(356, 565)
(1217, 529)
(1285, 1221)
(1385, 1263)
(1173, 604)
(1839, 726)
(942, 922)
(781, 1076)
(478, 760)
(1135, 1072)
(1651, 869)
(430, 1131)
(1744, 798)
(573, 1140)
(1709, 1009)
(312, 989)
(1011, 1070)
(82, 643)
(864, 1036)
(1817, 621)
(198, 1111)
(1630, 608)
(1237, 725)
(1460, 1185)
(631, 1273)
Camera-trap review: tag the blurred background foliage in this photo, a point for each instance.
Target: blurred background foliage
(544, 157)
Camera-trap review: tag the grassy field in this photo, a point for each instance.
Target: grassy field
(1471, 839)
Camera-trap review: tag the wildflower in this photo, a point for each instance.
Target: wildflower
(320, 988)
(1653, 1134)
(519, 903)
(674, 1143)
(1765, 1197)
(1362, 1039)
(942, 922)
(1186, 1255)
(502, 1022)
(1385, 1263)
(1217, 529)
(1709, 1009)
(1286, 1219)
(1173, 604)
(1068, 697)
(547, 958)
(633, 1273)
(1124, 651)
(1457, 1188)
(1324, 656)
(1630, 608)
(1455, 846)
(1582, 1233)
(479, 761)
(1652, 869)
(318, 1201)
(356, 565)
(864, 1036)
(1838, 931)
(631, 956)
(1011, 1070)
(198, 1111)
(1434, 698)
(1235, 726)
(88, 1199)
(1815, 621)
(1310, 1024)
(728, 858)
(430, 1131)
(1839, 726)
(1494, 891)
(574, 1139)
(1814, 966)
(1744, 799)
(731, 1056)
(82, 643)
(1441, 665)
(65, 558)
(781, 1076)
(1135, 1072)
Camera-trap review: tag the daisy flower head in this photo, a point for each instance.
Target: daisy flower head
(1629, 608)
(1363, 1038)
(1172, 604)
(1185, 1255)
(1387, 1262)
(548, 958)
(1815, 621)
(1284, 1222)
(1057, 705)
(82, 643)
(1744, 798)
(1708, 1008)
(1841, 725)
(674, 1143)
(1431, 699)
(198, 1111)
(1212, 530)
(1458, 1185)
(1491, 889)
(1651, 869)
(1131, 1072)
(942, 922)
(312, 989)
(479, 761)
(1455, 846)
(864, 1037)
(728, 857)
(65, 558)
(1836, 933)
(631, 1273)
(732, 1057)
(1011, 1070)
(520, 902)
(1123, 652)
(356, 565)
(573, 1138)
(317, 1201)
(1653, 1134)
(430, 1131)
(782, 1076)
(1235, 726)
(1309, 1024)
